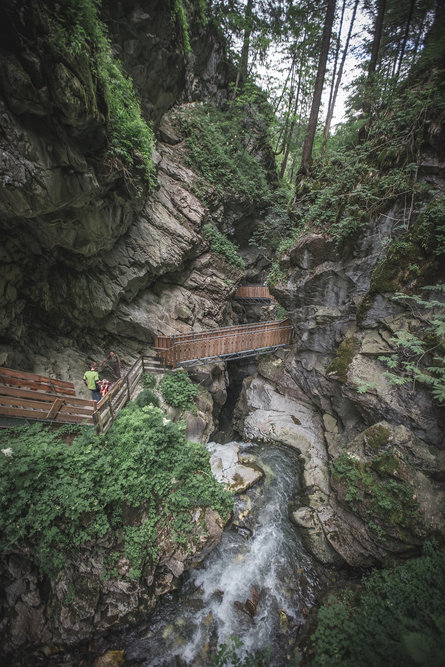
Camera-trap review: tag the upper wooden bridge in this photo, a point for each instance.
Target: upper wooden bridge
(252, 294)
(226, 343)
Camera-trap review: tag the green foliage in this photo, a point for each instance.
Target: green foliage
(367, 169)
(147, 397)
(275, 275)
(419, 356)
(398, 620)
(181, 15)
(364, 387)
(78, 33)
(148, 380)
(276, 225)
(373, 491)
(222, 147)
(178, 389)
(430, 226)
(140, 542)
(54, 497)
(222, 246)
(230, 655)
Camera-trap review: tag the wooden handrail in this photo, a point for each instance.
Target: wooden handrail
(30, 396)
(224, 342)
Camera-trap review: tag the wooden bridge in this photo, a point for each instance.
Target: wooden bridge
(203, 347)
(251, 294)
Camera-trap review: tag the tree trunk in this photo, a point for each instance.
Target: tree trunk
(337, 53)
(405, 36)
(244, 58)
(306, 157)
(331, 107)
(288, 138)
(378, 29)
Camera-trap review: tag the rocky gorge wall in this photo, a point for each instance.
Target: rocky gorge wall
(373, 452)
(91, 258)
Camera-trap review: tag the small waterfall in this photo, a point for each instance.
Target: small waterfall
(256, 585)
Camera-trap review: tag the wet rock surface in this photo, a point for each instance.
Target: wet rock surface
(237, 474)
(85, 598)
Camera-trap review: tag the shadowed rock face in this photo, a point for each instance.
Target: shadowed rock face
(91, 258)
(371, 496)
(84, 599)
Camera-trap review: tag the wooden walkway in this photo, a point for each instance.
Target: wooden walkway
(203, 347)
(251, 294)
(27, 396)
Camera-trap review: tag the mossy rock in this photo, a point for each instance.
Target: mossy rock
(376, 437)
(346, 352)
(373, 490)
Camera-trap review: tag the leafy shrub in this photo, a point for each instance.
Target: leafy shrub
(54, 498)
(399, 619)
(148, 380)
(147, 397)
(234, 655)
(419, 356)
(222, 151)
(368, 168)
(178, 390)
(222, 246)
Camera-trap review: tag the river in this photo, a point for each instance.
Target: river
(257, 585)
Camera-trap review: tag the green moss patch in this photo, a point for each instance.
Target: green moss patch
(345, 354)
(377, 437)
(371, 490)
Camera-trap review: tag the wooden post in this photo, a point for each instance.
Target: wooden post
(55, 408)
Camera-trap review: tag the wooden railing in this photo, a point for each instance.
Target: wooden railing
(119, 394)
(30, 396)
(254, 292)
(225, 343)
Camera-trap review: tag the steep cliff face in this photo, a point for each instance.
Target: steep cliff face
(375, 478)
(91, 256)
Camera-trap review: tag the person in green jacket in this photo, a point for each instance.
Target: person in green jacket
(90, 378)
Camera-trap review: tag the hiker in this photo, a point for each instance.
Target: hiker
(104, 387)
(112, 364)
(90, 379)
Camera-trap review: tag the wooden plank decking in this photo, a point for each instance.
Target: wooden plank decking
(198, 347)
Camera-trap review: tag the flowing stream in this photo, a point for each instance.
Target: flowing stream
(257, 585)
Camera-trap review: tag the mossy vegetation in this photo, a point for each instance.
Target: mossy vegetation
(78, 36)
(396, 620)
(377, 437)
(223, 246)
(372, 490)
(222, 150)
(55, 498)
(346, 352)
